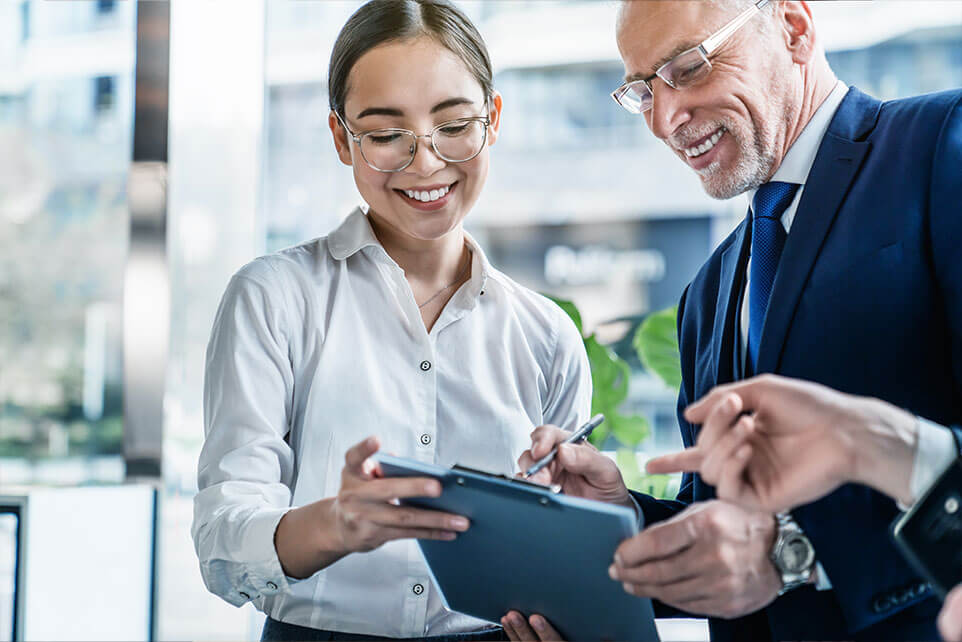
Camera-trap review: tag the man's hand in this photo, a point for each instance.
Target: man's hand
(579, 469)
(710, 559)
(773, 443)
(535, 628)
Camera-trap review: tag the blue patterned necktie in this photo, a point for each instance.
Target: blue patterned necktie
(768, 240)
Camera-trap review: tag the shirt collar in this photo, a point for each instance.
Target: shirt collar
(355, 234)
(352, 235)
(800, 157)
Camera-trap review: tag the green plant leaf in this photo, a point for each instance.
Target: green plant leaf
(630, 430)
(656, 342)
(658, 486)
(628, 465)
(609, 376)
(571, 309)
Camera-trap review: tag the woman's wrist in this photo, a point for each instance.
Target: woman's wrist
(885, 444)
(307, 539)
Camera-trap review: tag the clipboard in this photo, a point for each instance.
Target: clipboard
(529, 549)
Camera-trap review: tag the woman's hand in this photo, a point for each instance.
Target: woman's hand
(366, 513)
(579, 468)
(535, 628)
(363, 515)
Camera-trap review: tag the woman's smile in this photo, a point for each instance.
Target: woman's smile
(429, 197)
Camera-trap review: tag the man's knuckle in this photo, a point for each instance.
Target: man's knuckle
(715, 522)
(727, 558)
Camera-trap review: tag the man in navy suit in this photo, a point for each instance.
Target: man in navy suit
(847, 271)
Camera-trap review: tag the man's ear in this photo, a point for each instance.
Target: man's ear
(798, 29)
(494, 114)
(341, 141)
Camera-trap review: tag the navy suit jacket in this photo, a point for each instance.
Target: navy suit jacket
(867, 300)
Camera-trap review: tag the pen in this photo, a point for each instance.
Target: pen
(576, 436)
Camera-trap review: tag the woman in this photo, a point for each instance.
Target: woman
(394, 328)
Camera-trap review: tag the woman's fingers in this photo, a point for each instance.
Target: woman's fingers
(356, 455)
(387, 515)
(418, 533)
(388, 488)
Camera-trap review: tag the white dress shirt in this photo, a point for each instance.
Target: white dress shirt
(935, 448)
(318, 346)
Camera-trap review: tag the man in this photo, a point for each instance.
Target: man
(845, 272)
(760, 438)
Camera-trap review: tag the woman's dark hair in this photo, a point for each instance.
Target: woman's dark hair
(380, 21)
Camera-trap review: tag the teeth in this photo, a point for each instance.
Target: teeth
(704, 147)
(427, 197)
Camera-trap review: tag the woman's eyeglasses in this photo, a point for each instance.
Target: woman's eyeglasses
(392, 149)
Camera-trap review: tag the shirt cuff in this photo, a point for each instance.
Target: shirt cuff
(934, 453)
(822, 583)
(639, 514)
(265, 577)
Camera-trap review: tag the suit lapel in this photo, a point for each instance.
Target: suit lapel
(733, 262)
(837, 163)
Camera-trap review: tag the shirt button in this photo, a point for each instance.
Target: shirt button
(245, 595)
(425, 365)
(272, 586)
(425, 439)
(418, 589)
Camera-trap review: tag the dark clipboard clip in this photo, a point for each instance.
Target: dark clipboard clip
(553, 488)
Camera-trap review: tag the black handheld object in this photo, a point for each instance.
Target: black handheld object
(930, 534)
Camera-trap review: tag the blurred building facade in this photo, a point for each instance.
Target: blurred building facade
(66, 91)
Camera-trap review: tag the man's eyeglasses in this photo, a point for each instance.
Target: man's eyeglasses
(393, 149)
(685, 69)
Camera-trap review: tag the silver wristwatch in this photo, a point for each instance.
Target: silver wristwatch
(793, 554)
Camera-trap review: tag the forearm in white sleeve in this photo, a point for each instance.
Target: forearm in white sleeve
(246, 467)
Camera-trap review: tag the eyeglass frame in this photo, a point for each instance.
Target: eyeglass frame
(358, 136)
(706, 48)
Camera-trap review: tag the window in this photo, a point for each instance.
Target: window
(63, 245)
(104, 94)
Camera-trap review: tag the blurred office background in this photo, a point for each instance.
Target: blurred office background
(582, 202)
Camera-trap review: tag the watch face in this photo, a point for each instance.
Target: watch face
(796, 554)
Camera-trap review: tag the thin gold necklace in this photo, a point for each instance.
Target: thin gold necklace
(452, 283)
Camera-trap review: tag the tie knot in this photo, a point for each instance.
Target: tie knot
(773, 198)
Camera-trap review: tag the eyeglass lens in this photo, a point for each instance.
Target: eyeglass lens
(390, 150)
(684, 70)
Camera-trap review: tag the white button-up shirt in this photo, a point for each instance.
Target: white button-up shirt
(318, 346)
